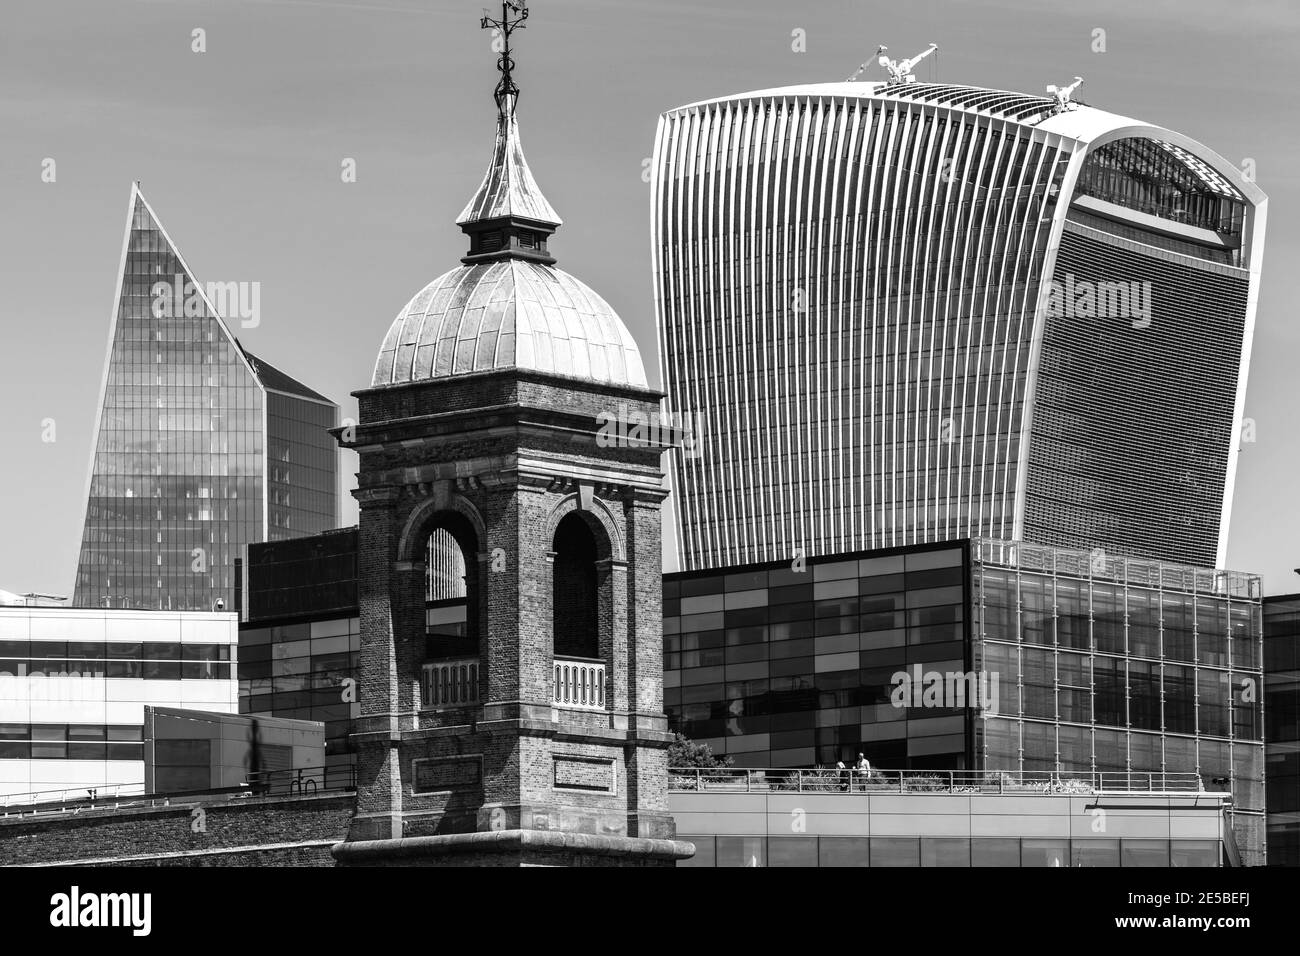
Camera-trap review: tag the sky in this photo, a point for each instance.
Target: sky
(239, 149)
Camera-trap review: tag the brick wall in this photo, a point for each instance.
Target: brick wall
(508, 462)
(272, 831)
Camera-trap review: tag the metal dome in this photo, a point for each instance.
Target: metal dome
(510, 313)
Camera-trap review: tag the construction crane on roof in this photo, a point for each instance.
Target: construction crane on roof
(1063, 94)
(900, 71)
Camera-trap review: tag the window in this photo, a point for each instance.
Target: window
(990, 851)
(945, 851)
(1095, 853)
(741, 851)
(1144, 853)
(895, 851)
(1193, 853)
(792, 851)
(843, 851)
(575, 607)
(1044, 852)
(49, 742)
(705, 854)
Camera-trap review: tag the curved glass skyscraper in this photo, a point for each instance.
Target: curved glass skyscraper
(918, 312)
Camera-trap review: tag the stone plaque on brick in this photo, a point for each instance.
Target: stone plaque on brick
(584, 773)
(433, 775)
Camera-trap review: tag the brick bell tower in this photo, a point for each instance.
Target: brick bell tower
(504, 433)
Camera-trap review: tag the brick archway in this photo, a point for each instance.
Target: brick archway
(424, 519)
(609, 537)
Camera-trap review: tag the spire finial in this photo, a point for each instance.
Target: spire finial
(513, 15)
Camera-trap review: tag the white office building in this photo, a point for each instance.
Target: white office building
(74, 683)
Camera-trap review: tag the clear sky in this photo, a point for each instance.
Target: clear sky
(239, 151)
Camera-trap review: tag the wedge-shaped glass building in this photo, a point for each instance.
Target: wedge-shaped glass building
(200, 447)
(907, 313)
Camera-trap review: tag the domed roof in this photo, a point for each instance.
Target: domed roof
(508, 306)
(511, 313)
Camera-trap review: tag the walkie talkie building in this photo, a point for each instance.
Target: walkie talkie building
(917, 312)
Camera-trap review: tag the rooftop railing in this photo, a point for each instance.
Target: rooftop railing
(306, 781)
(1115, 568)
(833, 780)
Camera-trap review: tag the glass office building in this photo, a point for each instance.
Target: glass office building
(911, 313)
(1122, 666)
(1047, 659)
(300, 643)
(1282, 728)
(782, 668)
(200, 447)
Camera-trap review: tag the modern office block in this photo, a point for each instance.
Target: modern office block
(1125, 665)
(200, 447)
(304, 671)
(313, 577)
(1282, 727)
(74, 683)
(985, 656)
(908, 313)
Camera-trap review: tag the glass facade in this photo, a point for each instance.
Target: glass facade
(829, 851)
(176, 490)
(782, 668)
(1122, 666)
(1098, 474)
(1073, 663)
(853, 341)
(179, 484)
(1163, 180)
(302, 465)
(308, 577)
(71, 742)
(305, 671)
(854, 288)
(1282, 746)
(141, 660)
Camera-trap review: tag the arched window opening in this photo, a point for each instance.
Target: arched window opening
(575, 604)
(444, 567)
(451, 616)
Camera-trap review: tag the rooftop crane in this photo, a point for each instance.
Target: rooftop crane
(1063, 94)
(900, 71)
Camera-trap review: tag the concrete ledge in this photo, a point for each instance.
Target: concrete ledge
(185, 854)
(525, 845)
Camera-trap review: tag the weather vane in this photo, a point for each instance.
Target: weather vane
(504, 27)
